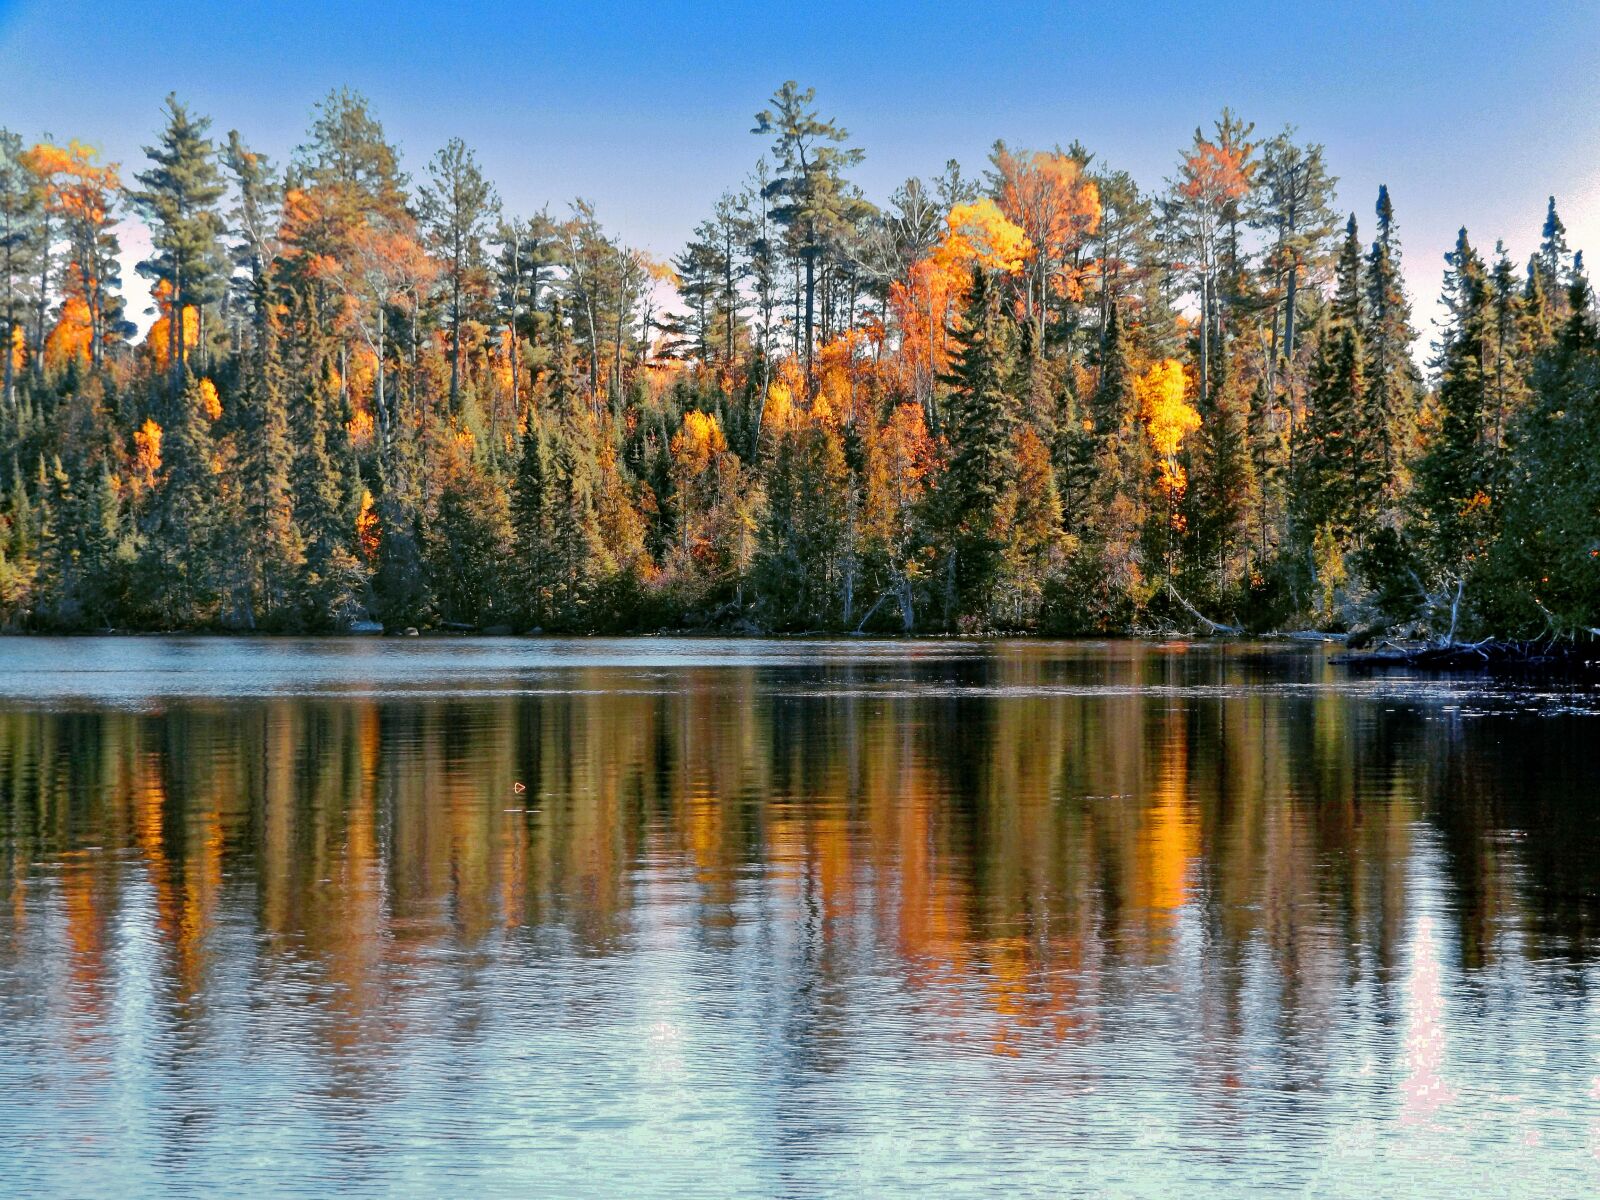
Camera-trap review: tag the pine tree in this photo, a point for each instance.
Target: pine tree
(179, 196)
(458, 205)
(21, 251)
(810, 197)
(981, 416)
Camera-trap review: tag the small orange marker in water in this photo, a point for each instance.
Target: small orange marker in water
(518, 788)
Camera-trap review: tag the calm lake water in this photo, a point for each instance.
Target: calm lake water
(834, 918)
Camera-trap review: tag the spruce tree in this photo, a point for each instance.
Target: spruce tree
(1542, 572)
(1391, 375)
(468, 537)
(532, 528)
(331, 578)
(576, 530)
(270, 544)
(1455, 472)
(1552, 263)
(183, 533)
(981, 416)
(1222, 491)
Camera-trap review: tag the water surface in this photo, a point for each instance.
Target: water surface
(704, 918)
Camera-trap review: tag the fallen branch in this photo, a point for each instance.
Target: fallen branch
(868, 616)
(1213, 626)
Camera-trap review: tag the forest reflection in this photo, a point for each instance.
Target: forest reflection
(1025, 848)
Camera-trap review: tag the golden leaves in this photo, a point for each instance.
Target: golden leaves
(980, 233)
(1168, 417)
(697, 442)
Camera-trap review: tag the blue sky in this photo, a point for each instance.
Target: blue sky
(1471, 112)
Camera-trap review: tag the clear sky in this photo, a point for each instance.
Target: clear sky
(1472, 112)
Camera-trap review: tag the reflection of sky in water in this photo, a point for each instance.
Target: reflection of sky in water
(815, 918)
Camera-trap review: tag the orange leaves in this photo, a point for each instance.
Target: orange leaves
(368, 533)
(76, 186)
(1168, 418)
(1214, 174)
(70, 339)
(210, 402)
(1049, 197)
(924, 303)
(146, 453)
(158, 342)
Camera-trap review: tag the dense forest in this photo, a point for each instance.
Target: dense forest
(1039, 398)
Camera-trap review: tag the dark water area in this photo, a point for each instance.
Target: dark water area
(808, 918)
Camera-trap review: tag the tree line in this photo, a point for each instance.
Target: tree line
(1042, 398)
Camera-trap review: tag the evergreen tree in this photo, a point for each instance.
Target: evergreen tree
(802, 567)
(331, 579)
(1391, 375)
(22, 238)
(458, 205)
(1029, 525)
(1542, 576)
(270, 544)
(533, 529)
(179, 196)
(1072, 453)
(981, 416)
(1455, 472)
(183, 532)
(810, 197)
(468, 539)
(1552, 263)
(80, 567)
(1222, 493)
(575, 534)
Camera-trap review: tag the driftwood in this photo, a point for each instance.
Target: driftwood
(1549, 656)
(1211, 626)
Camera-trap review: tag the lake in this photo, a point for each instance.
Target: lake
(790, 918)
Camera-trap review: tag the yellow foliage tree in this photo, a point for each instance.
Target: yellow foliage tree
(210, 402)
(1162, 394)
(146, 454)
